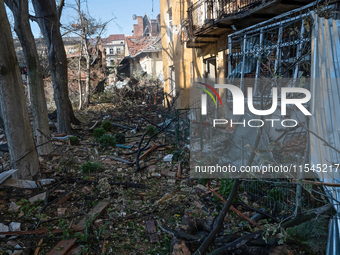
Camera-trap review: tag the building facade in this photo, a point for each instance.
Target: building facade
(195, 37)
(114, 49)
(143, 50)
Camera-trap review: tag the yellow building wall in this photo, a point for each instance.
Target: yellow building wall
(188, 62)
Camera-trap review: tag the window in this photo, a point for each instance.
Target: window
(118, 51)
(111, 51)
(169, 26)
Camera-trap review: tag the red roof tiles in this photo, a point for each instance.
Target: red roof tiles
(136, 44)
(114, 38)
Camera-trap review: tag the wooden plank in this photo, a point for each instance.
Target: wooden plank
(75, 251)
(317, 183)
(23, 184)
(150, 226)
(5, 175)
(154, 147)
(234, 209)
(99, 208)
(64, 199)
(30, 232)
(37, 250)
(63, 247)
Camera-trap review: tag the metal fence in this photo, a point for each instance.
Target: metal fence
(204, 11)
(280, 47)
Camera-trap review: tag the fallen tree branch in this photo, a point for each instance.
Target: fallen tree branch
(258, 211)
(303, 217)
(179, 235)
(237, 243)
(234, 209)
(147, 143)
(219, 223)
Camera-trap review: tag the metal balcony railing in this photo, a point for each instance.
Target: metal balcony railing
(206, 11)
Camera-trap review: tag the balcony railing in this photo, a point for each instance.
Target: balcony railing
(204, 12)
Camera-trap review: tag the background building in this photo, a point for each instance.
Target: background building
(114, 49)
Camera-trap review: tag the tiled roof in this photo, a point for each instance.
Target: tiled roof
(138, 44)
(113, 38)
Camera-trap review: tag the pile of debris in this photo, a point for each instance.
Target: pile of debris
(121, 185)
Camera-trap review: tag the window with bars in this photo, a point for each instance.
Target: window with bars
(276, 48)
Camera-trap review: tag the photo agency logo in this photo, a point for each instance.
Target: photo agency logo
(238, 100)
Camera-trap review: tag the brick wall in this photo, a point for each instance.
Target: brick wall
(138, 29)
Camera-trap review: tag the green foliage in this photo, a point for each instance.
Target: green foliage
(120, 138)
(107, 126)
(225, 187)
(177, 155)
(312, 233)
(151, 130)
(203, 181)
(274, 194)
(29, 208)
(74, 140)
(99, 132)
(89, 167)
(107, 140)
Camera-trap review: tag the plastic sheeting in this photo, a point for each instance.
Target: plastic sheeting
(325, 109)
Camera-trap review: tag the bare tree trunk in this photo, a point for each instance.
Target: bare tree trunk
(20, 140)
(48, 21)
(22, 28)
(79, 81)
(88, 67)
(87, 86)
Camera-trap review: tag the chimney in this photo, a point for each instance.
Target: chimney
(138, 29)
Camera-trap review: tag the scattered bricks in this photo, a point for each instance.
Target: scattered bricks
(171, 174)
(63, 247)
(28, 192)
(86, 190)
(155, 175)
(201, 187)
(168, 173)
(98, 223)
(14, 226)
(41, 196)
(64, 199)
(13, 207)
(61, 211)
(150, 226)
(3, 228)
(171, 182)
(180, 249)
(152, 168)
(97, 210)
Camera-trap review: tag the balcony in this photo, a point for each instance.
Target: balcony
(209, 19)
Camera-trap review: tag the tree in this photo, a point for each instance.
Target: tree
(47, 17)
(20, 140)
(85, 28)
(22, 28)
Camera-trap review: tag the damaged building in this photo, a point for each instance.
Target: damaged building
(143, 50)
(258, 46)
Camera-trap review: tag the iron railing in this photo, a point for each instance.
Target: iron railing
(207, 11)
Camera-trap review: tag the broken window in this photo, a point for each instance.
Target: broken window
(118, 51)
